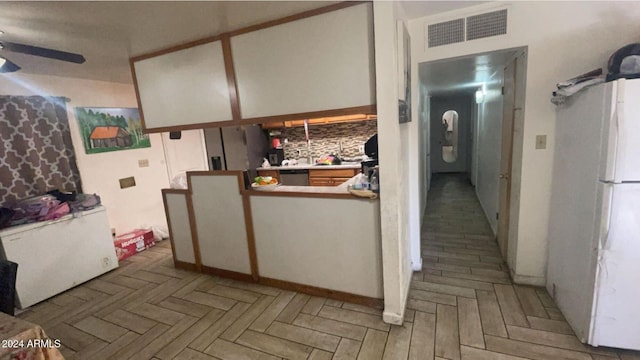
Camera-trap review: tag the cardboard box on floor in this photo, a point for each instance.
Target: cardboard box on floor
(133, 242)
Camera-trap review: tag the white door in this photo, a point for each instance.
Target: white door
(617, 314)
(189, 153)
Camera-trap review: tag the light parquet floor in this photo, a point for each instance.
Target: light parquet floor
(461, 306)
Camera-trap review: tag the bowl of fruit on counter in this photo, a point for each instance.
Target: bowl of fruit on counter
(264, 183)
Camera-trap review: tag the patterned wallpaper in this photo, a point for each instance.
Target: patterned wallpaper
(325, 139)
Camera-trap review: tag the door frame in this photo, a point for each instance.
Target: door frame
(512, 110)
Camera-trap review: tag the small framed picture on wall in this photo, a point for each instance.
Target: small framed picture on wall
(404, 73)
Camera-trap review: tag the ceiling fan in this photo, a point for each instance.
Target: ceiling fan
(9, 66)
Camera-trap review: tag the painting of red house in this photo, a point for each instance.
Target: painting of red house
(109, 136)
(111, 129)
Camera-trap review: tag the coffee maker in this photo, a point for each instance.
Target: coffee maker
(275, 156)
(371, 150)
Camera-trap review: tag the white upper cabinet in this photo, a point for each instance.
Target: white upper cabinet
(184, 87)
(318, 63)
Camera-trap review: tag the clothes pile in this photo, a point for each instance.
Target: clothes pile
(624, 63)
(50, 206)
(569, 87)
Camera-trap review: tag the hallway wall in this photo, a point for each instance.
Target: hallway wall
(575, 37)
(394, 141)
(489, 142)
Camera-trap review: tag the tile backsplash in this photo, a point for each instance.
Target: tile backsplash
(325, 139)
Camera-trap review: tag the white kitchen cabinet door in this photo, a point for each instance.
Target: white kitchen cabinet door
(318, 63)
(178, 219)
(184, 87)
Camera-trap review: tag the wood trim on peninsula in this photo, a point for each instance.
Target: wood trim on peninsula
(318, 291)
(255, 277)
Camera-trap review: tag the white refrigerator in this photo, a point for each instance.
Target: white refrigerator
(594, 228)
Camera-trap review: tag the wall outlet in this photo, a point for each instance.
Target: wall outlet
(106, 262)
(361, 149)
(541, 142)
(127, 182)
(143, 163)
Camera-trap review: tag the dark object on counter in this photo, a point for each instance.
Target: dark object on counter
(366, 168)
(371, 147)
(374, 179)
(216, 163)
(625, 63)
(275, 156)
(329, 160)
(85, 202)
(63, 196)
(8, 273)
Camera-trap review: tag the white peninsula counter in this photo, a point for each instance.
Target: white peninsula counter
(319, 240)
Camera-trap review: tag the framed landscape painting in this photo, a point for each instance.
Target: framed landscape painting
(111, 129)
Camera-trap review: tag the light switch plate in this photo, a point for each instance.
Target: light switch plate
(143, 163)
(541, 142)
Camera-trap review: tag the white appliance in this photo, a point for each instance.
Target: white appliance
(594, 229)
(54, 256)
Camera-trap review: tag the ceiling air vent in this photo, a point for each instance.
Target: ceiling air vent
(486, 25)
(447, 32)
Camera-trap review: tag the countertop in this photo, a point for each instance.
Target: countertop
(314, 167)
(340, 189)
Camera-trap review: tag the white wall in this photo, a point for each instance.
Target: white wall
(489, 142)
(574, 37)
(393, 144)
(127, 208)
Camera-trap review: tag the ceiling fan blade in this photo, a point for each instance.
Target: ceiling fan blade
(43, 52)
(8, 66)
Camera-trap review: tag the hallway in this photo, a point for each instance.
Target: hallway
(465, 301)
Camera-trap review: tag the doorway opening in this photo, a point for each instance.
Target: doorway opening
(472, 110)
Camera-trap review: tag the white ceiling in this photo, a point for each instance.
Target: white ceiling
(464, 74)
(109, 33)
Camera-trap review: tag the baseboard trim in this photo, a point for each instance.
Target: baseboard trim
(317, 291)
(417, 266)
(392, 318)
(184, 265)
(227, 273)
(395, 318)
(528, 280)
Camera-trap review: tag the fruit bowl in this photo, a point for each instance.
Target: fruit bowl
(267, 187)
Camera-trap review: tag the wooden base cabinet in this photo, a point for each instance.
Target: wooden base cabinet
(330, 177)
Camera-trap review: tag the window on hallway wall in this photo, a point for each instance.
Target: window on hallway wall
(36, 154)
